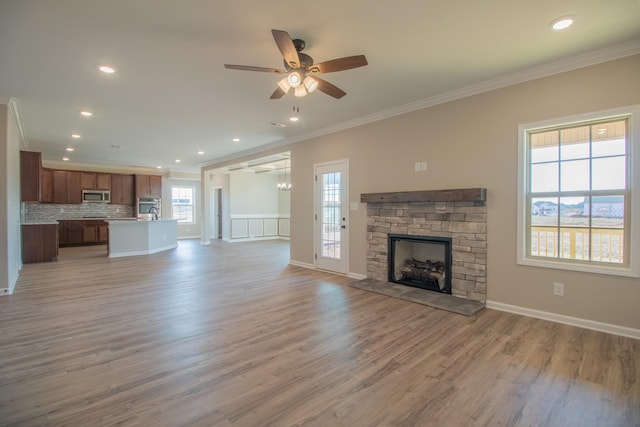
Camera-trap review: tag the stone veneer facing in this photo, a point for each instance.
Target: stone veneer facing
(465, 222)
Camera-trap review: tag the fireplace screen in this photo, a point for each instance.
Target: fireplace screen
(420, 261)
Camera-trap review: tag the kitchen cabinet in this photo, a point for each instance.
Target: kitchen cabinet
(39, 242)
(148, 186)
(30, 165)
(95, 181)
(46, 183)
(70, 232)
(80, 232)
(67, 187)
(122, 189)
(94, 232)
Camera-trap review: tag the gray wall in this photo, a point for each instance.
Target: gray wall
(473, 142)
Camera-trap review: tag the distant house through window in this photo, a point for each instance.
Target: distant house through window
(577, 197)
(182, 204)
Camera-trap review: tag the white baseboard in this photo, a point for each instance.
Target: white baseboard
(136, 253)
(567, 320)
(357, 276)
(188, 237)
(255, 239)
(302, 264)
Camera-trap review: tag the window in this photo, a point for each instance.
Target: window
(577, 195)
(182, 204)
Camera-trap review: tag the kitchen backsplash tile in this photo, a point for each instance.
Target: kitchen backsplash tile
(47, 211)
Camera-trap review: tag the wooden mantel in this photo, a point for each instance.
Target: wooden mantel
(458, 195)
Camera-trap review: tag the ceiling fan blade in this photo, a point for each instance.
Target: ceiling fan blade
(340, 64)
(329, 89)
(277, 94)
(287, 49)
(250, 68)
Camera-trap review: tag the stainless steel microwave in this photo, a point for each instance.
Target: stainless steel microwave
(96, 196)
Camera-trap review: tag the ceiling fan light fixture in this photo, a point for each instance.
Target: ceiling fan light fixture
(300, 91)
(284, 84)
(310, 83)
(294, 79)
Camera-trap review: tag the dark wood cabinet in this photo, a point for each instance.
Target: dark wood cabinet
(148, 186)
(80, 232)
(70, 232)
(30, 165)
(46, 190)
(59, 186)
(121, 189)
(39, 243)
(95, 181)
(67, 187)
(74, 189)
(103, 181)
(94, 232)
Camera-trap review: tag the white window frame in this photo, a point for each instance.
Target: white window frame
(632, 269)
(193, 205)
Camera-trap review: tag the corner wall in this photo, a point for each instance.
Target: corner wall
(10, 257)
(473, 142)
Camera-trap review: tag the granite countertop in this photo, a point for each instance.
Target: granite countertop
(97, 218)
(110, 220)
(40, 222)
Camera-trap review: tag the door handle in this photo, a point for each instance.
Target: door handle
(343, 226)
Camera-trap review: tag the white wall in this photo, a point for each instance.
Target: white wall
(10, 256)
(253, 194)
(184, 230)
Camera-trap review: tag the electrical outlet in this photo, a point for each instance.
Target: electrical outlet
(558, 289)
(423, 166)
(417, 167)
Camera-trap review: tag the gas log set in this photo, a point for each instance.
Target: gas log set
(429, 273)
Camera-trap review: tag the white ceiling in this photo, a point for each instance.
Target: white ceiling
(172, 95)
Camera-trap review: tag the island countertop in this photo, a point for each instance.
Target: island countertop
(130, 238)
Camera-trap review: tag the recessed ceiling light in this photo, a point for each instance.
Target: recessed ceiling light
(562, 22)
(75, 135)
(236, 139)
(107, 69)
(158, 167)
(69, 149)
(86, 113)
(178, 160)
(66, 159)
(294, 119)
(201, 152)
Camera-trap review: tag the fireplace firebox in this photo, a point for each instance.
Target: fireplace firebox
(420, 261)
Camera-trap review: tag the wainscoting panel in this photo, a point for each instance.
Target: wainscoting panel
(256, 228)
(239, 228)
(270, 227)
(283, 226)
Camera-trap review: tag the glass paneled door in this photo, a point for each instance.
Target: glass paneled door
(331, 236)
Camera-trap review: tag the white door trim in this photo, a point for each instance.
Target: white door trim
(344, 241)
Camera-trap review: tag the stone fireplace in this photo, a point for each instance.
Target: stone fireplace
(458, 216)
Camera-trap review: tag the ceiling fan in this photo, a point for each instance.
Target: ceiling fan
(300, 69)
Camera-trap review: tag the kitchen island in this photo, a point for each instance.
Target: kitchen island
(130, 238)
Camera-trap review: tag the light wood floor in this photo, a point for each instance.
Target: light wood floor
(230, 335)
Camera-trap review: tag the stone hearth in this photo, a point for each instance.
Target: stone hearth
(457, 214)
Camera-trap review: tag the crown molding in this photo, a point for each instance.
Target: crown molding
(533, 73)
(14, 110)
